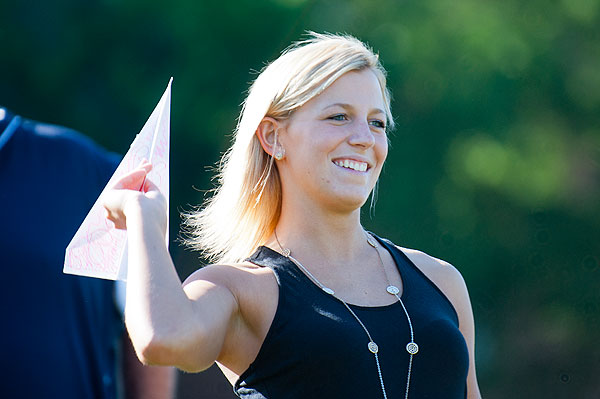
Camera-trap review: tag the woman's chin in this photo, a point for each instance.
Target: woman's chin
(349, 203)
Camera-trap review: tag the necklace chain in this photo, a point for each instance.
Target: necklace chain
(412, 348)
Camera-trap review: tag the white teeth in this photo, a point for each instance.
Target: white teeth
(358, 166)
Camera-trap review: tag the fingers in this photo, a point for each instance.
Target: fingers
(127, 188)
(134, 179)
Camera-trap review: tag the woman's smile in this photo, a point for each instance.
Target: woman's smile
(352, 164)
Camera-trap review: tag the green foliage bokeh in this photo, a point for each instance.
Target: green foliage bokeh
(494, 165)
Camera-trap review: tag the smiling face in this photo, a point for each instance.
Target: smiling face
(336, 144)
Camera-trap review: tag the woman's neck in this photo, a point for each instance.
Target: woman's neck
(312, 233)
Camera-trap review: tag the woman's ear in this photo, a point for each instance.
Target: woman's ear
(268, 135)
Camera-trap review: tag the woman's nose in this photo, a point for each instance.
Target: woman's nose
(361, 134)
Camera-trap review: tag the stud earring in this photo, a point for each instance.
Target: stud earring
(279, 154)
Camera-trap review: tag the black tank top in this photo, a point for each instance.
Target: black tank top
(316, 349)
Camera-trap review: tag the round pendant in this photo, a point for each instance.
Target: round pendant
(392, 289)
(412, 348)
(329, 290)
(373, 347)
(286, 252)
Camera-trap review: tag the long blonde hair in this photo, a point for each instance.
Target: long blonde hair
(246, 205)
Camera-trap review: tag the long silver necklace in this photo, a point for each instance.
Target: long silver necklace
(412, 348)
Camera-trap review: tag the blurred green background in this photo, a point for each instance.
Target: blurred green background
(494, 165)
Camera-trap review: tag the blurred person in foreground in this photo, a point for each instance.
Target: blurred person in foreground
(65, 336)
(301, 301)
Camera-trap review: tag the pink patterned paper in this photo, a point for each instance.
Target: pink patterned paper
(98, 249)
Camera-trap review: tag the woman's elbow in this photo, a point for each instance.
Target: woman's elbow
(182, 352)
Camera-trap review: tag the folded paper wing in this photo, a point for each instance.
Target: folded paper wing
(98, 249)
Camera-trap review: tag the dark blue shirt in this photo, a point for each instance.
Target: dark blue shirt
(316, 349)
(60, 333)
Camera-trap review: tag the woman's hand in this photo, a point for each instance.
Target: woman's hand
(135, 194)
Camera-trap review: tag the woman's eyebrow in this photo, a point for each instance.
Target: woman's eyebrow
(349, 106)
(343, 105)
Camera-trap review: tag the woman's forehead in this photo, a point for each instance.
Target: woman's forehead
(351, 90)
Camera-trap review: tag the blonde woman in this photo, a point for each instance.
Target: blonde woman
(301, 301)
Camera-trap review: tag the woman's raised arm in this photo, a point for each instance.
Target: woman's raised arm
(166, 327)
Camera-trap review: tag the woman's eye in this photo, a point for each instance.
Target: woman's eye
(378, 124)
(338, 117)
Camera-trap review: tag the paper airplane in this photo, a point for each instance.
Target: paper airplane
(98, 249)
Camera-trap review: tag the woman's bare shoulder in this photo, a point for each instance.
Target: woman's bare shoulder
(249, 283)
(425, 261)
(228, 274)
(443, 274)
